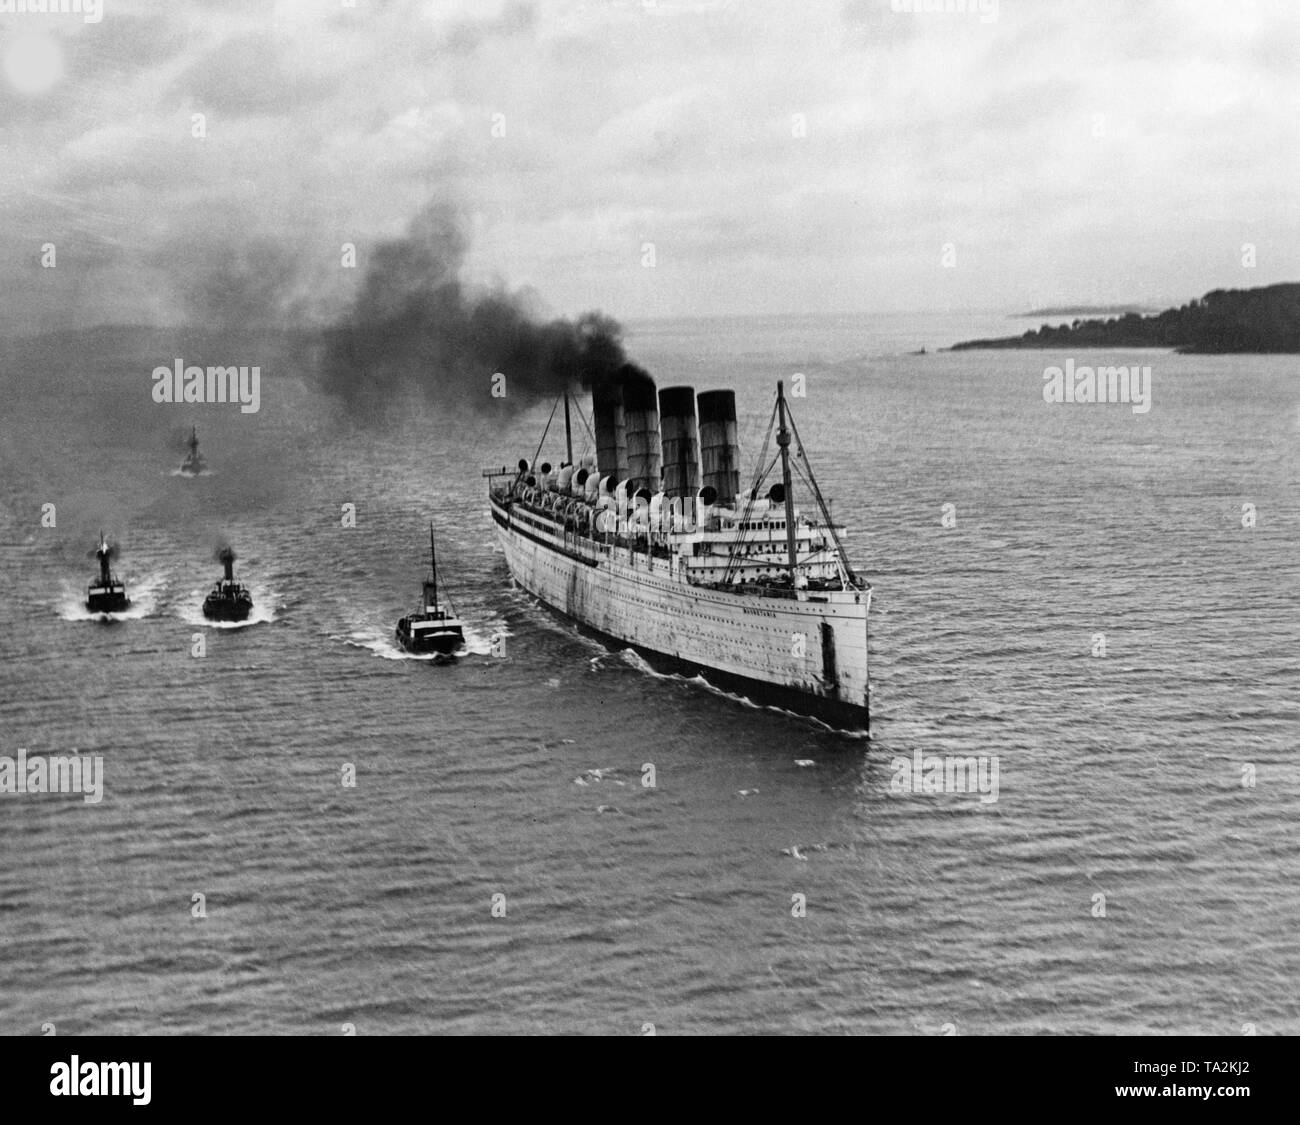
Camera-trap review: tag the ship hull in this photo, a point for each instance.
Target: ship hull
(805, 655)
(440, 644)
(108, 603)
(227, 611)
(841, 716)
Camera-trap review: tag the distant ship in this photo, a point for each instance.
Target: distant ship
(432, 628)
(193, 464)
(228, 601)
(652, 544)
(107, 595)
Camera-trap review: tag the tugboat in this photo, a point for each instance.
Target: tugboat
(107, 595)
(193, 464)
(432, 628)
(228, 601)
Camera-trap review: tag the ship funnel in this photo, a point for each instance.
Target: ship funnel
(641, 419)
(106, 552)
(719, 449)
(227, 557)
(681, 441)
(611, 430)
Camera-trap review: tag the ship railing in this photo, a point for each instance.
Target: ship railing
(768, 589)
(750, 588)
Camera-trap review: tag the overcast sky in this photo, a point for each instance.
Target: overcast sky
(792, 155)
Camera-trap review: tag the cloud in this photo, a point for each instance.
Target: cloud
(249, 73)
(570, 134)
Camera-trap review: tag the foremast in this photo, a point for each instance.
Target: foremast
(431, 583)
(783, 444)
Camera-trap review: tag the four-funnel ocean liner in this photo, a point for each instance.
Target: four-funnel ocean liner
(651, 543)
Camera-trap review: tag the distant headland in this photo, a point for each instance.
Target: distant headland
(1089, 310)
(1224, 320)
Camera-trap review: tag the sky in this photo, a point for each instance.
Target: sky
(650, 158)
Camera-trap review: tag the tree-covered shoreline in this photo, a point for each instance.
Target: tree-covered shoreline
(1224, 320)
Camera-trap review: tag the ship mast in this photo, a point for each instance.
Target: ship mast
(845, 565)
(433, 572)
(783, 443)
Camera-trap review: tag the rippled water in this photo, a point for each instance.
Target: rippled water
(1119, 775)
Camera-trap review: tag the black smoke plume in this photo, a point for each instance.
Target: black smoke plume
(415, 326)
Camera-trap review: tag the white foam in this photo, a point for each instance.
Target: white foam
(143, 593)
(635, 660)
(263, 612)
(384, 644)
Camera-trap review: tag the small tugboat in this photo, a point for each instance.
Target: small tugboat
(228, 601)
(193, 464)
(432, 628)
(107, 595)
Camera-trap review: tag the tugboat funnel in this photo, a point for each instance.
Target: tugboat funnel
(105, 553)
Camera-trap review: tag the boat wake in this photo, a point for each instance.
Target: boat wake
(188, 473)
(144, 593)
(634, 660)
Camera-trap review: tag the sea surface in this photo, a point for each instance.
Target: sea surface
(1097, 610)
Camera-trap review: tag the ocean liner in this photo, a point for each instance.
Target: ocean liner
(650, 543)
